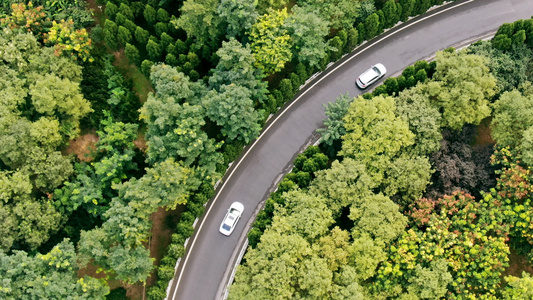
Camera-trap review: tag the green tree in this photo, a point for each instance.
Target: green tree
(341, 14)
(125, 10)
(94, 185)
(132, 53)
(352, 40)
(335, 51)
(307, 31)
(461, 88)
(123, 35)
(52, 275)
(264, 5)
(407, 178)
(236, 66)
(378, 217)
(111, 10)
(375, 135)
(424, 121)
(335, 112)
(392, 11)
(519, 287)
(110, 34)
(154, 50)
(141, 35)
(200, 20)
(430, 282)
(150, 15)
(270, 42)
(511, 118)
(233, 109)
(372, 26)
(408, 7)
(239, 15)
(343, 183)
(162, 15)
(175, 129)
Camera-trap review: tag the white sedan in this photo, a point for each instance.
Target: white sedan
(232, 217)
(371, 75)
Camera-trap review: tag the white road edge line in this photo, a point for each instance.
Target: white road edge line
(281, 114)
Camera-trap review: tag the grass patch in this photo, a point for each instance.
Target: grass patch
(141, 84)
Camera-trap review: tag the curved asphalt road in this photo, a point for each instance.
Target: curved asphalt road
(204, 271)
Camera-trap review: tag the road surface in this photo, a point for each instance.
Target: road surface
(205, 269)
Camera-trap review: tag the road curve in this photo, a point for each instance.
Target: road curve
(204, 271)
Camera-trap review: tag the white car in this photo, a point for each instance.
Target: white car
(371, 75)
(232, 217)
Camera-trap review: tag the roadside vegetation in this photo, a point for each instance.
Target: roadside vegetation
(109, 115)
(414, 203)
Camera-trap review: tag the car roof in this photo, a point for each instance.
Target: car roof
(368, 75)
(230, 220)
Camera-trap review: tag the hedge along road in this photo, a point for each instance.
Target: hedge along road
(204, 271)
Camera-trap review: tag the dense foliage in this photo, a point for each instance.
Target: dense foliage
(218, 69)
(394, 235)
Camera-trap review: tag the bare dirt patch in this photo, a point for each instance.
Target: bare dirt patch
(483, 137)
(140, 142)
(517, 264)
(84, 146)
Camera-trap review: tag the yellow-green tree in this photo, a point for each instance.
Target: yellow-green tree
(69, 41)
(270, 41)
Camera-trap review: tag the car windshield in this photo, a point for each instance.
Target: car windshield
(226, 227)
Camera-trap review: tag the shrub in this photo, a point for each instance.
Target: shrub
(337, 44)
(176, 250)
(185, 229)
(352, 40)
(111, 10)
(254, 237)
(154, 50)
(392, 85)
(166, 40)
(303, 179)
(409, 71)
(286, 185)
(155, 293)
(123, 35)
(311, 150)
(126, 11)
(171, 60)
(132, 53)
(150, 15)
(187, 217)
(421, 75)
(380, 90)
(141, 35)
(286, 90)
(177, 239)
(310, 166)
(321, 160)
(161, 27)
(146, 65)
(165, 273)
(299, 161)
(162, 15)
